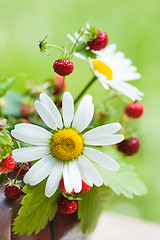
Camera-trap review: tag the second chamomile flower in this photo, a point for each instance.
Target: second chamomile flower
(65, 150)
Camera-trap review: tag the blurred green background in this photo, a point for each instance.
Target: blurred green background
(133, 26)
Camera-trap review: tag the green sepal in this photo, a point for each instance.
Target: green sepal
(36, 210)
(124, 181)
(91, 207)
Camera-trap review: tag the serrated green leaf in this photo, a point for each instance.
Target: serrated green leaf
(91, 207)
(5, 84)
(36, 209)
(124, 181)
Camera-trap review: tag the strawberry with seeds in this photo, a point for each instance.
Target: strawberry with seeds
(7, 165)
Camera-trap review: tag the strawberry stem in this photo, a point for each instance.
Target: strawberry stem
(85, 89)
(60, 92)
(17, 175)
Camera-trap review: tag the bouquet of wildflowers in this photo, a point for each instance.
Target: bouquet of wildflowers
(70, 154)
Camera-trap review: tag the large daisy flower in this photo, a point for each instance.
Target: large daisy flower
(113, 70)
(65, 150)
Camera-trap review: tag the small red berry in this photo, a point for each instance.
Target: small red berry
(59, 81)
(25, 167)
(100, 42)
(63, 67)
(134, 110)
(85, 187)
(26, 109)
(129, 147)
(12, 192)
(62, 187)
(66, 206)
(7, 165)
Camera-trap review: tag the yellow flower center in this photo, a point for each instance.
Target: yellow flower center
(103, 69)
(66, 144)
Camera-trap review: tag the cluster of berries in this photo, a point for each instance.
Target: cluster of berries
(67, 206)
(64, 67)
(13, 188)
(131, 146)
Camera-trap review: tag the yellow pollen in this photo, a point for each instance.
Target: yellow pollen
(66, 144)
(103, 69)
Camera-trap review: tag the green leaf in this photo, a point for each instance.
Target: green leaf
(5, 84)
(12, 106)
(91, 207)
(36, 209)
(80, 46)
(124, 181)
(5, 145)
(3, 178)
(5, 139)
(87, 53)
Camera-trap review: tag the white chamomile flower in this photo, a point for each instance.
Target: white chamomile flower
(113, 70)
(65, 151)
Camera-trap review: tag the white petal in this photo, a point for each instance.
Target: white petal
(40, 170)
(67, 179)
(31, 134)
(67, 109)
(104, 130)
(28, 154)
(78, 55)
(45, 114)
(53, 109)
(105, 140)
(54, 179)
(75, 176)
(84, 176)
(103, 81)
(84, 113)
(90, 171)
(101, 158)
(71, 38)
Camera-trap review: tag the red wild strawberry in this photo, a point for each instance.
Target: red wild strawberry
(7, 164)
(129, 147)
(26, 109)
(12, 192)
(66, 206)
(62, 187)
(85, 187)
(63, 67)
(59, 81)
(25, 167)
(100, 42)
(134, 110)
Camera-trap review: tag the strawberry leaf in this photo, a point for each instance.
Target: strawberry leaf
(91, 207)
(5, 84)
(36, 209)
(124, 181)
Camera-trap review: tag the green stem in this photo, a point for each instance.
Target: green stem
(85, 89)
(54, 46)
(17, 175)
(74, 46)
(60, 92)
